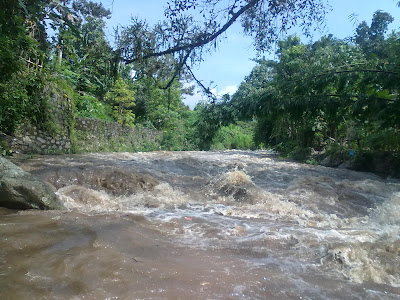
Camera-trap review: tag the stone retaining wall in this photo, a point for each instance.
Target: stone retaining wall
(29, 138)
(69, 134)
(89, 135)
(34, 140)
(97, 135)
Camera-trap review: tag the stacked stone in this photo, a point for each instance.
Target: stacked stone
(33, 140)
(93, 135)
(98, 134)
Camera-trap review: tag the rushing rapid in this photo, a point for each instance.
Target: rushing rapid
(202, 225)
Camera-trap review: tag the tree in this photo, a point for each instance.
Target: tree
(122, 99)
(22, 34)
(23, 49)
(370, 38)
(246, 101)
(83, 53)
(211, 117)
(187, 37)
(330, 94)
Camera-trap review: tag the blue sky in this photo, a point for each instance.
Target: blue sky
(228, 66)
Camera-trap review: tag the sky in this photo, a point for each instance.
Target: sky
(227, 67)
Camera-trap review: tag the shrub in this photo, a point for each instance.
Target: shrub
(238, 136)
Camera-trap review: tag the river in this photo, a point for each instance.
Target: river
(202, 225)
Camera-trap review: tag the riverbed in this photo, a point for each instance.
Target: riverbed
(202, 225)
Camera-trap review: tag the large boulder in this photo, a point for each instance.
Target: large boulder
(21, 190)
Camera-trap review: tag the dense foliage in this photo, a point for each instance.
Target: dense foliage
(20, 58)
(331, 95)
(75, 60)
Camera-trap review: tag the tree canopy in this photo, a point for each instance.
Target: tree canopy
(330, 95)
(194, 27)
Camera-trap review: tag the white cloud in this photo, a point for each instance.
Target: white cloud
(192, 100)
(230, 89)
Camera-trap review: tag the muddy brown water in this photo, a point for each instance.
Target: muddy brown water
(202, 225)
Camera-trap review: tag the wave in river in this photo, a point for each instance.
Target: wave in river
(221, 225)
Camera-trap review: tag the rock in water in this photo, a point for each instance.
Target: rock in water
(21, 190)
(326, 161)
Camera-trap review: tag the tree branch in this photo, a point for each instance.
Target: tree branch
(363, 70)
(348, 71)
(357, 96)
(200, 41)
(206, 90)
(349, 96)
(177, 70)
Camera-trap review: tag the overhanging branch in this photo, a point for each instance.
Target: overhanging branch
(329, 73)
(200, 41)
(177, 70)
(206, 90)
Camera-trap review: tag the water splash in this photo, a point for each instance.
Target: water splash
(234, 224)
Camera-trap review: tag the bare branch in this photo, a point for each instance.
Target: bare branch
(206, 90)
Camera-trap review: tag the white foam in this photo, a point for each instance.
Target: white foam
(389, 212)
(360, 264)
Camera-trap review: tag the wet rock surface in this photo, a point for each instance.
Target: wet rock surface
(21, 190)
(116, 182)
